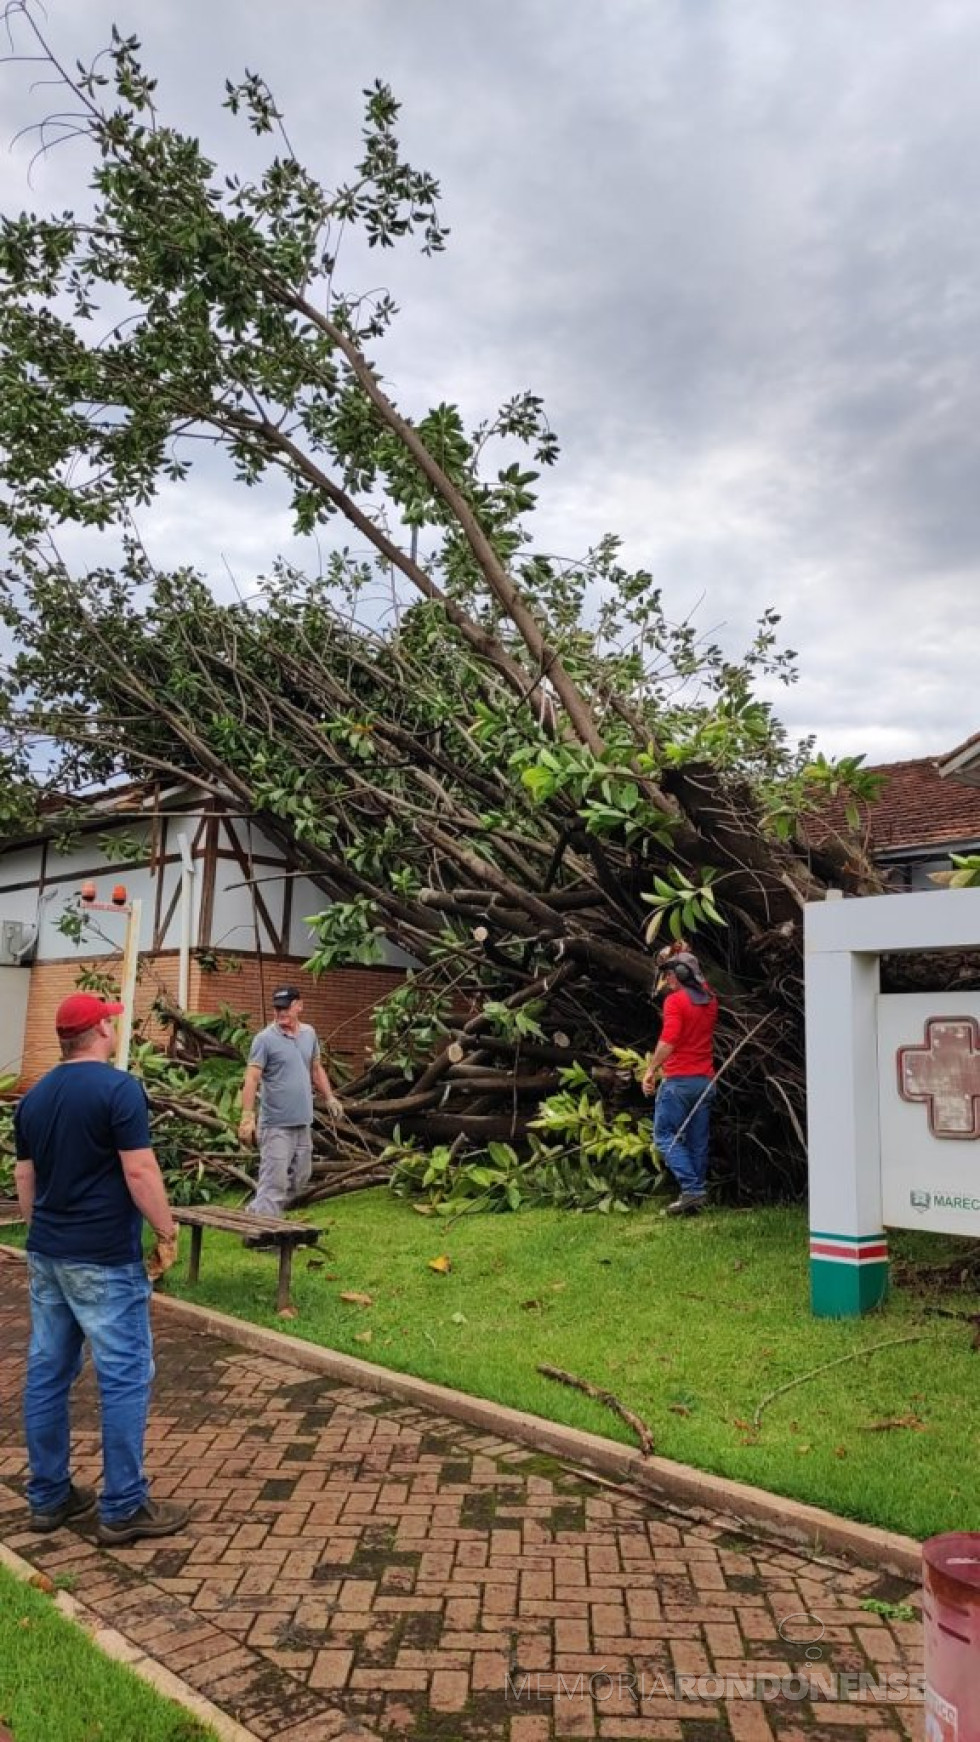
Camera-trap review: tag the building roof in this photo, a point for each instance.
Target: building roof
(919, 805)
(963, 763)
(124, 803)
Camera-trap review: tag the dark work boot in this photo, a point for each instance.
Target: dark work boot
(78, 1503)
(156, 1518)
(688, 1204)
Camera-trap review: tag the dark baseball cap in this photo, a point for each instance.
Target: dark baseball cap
(81, 1011)
(284, 996)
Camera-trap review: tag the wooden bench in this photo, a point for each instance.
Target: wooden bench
(9, 1213)
(276, 1231)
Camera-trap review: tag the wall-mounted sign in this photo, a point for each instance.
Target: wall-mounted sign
(929, 1109)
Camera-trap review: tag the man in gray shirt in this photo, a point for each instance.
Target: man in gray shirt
(284, 1070)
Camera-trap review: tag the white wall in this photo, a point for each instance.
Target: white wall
(236, 924)
(14, 987)
(171, 874)
(105, 932)
(308, 899)
(65, 872)
(22, 867)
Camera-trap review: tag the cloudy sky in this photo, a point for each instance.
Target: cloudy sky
(735, 246)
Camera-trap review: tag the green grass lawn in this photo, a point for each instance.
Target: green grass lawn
(55, 1686)
(691, 1324)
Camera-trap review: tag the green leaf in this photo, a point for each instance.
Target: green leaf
(540, 783)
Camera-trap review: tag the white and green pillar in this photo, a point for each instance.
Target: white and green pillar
(848, 1248)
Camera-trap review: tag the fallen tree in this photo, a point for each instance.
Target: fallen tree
(524, 781)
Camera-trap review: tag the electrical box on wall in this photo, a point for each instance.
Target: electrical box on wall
(17, 942)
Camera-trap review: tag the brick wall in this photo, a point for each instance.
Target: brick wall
(52, 981)
(339, 1003)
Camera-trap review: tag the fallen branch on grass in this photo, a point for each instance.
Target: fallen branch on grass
(352, 1177)
(855, 1355)
(217, 1164)
(337, 1188)
(636, 1422)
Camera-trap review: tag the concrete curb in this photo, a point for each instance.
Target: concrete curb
(149, 1669)
(786, 1521)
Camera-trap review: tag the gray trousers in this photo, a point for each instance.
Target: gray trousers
(285, 1166)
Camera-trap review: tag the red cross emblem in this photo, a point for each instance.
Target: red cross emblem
(945, 1073)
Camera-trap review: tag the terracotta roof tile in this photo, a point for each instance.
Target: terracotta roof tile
(917, 807)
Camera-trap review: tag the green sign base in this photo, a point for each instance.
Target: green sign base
(845, 1291)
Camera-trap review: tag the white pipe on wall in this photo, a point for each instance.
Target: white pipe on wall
(127, 991)
(186, 917)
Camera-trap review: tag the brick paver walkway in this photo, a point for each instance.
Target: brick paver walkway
(356, 1567)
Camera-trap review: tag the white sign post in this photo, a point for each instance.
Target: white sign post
(893, 1091)
(133, 912)
(127, 988)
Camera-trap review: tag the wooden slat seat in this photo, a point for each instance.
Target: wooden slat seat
(9, 1212)
(277, 1231)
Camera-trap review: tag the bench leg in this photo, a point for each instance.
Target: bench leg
(194, 1266)
(285, 1271)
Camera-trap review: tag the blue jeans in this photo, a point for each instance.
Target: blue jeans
(684, 1152)
(107, 1304)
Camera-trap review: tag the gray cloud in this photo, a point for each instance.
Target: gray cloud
(735, 248)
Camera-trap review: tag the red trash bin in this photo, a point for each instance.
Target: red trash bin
(951, 1612)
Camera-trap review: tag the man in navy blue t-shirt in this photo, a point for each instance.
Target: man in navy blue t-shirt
(86, 1176)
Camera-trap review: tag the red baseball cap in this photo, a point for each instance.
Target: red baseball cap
(81, 1011)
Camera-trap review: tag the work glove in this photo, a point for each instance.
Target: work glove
(246, 1129)
(335, 1108)
(163, 1256)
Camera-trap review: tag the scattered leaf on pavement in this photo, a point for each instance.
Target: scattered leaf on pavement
(41, 1582)
(889, 1611)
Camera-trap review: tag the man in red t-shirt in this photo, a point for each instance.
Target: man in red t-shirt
(684, 1059)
